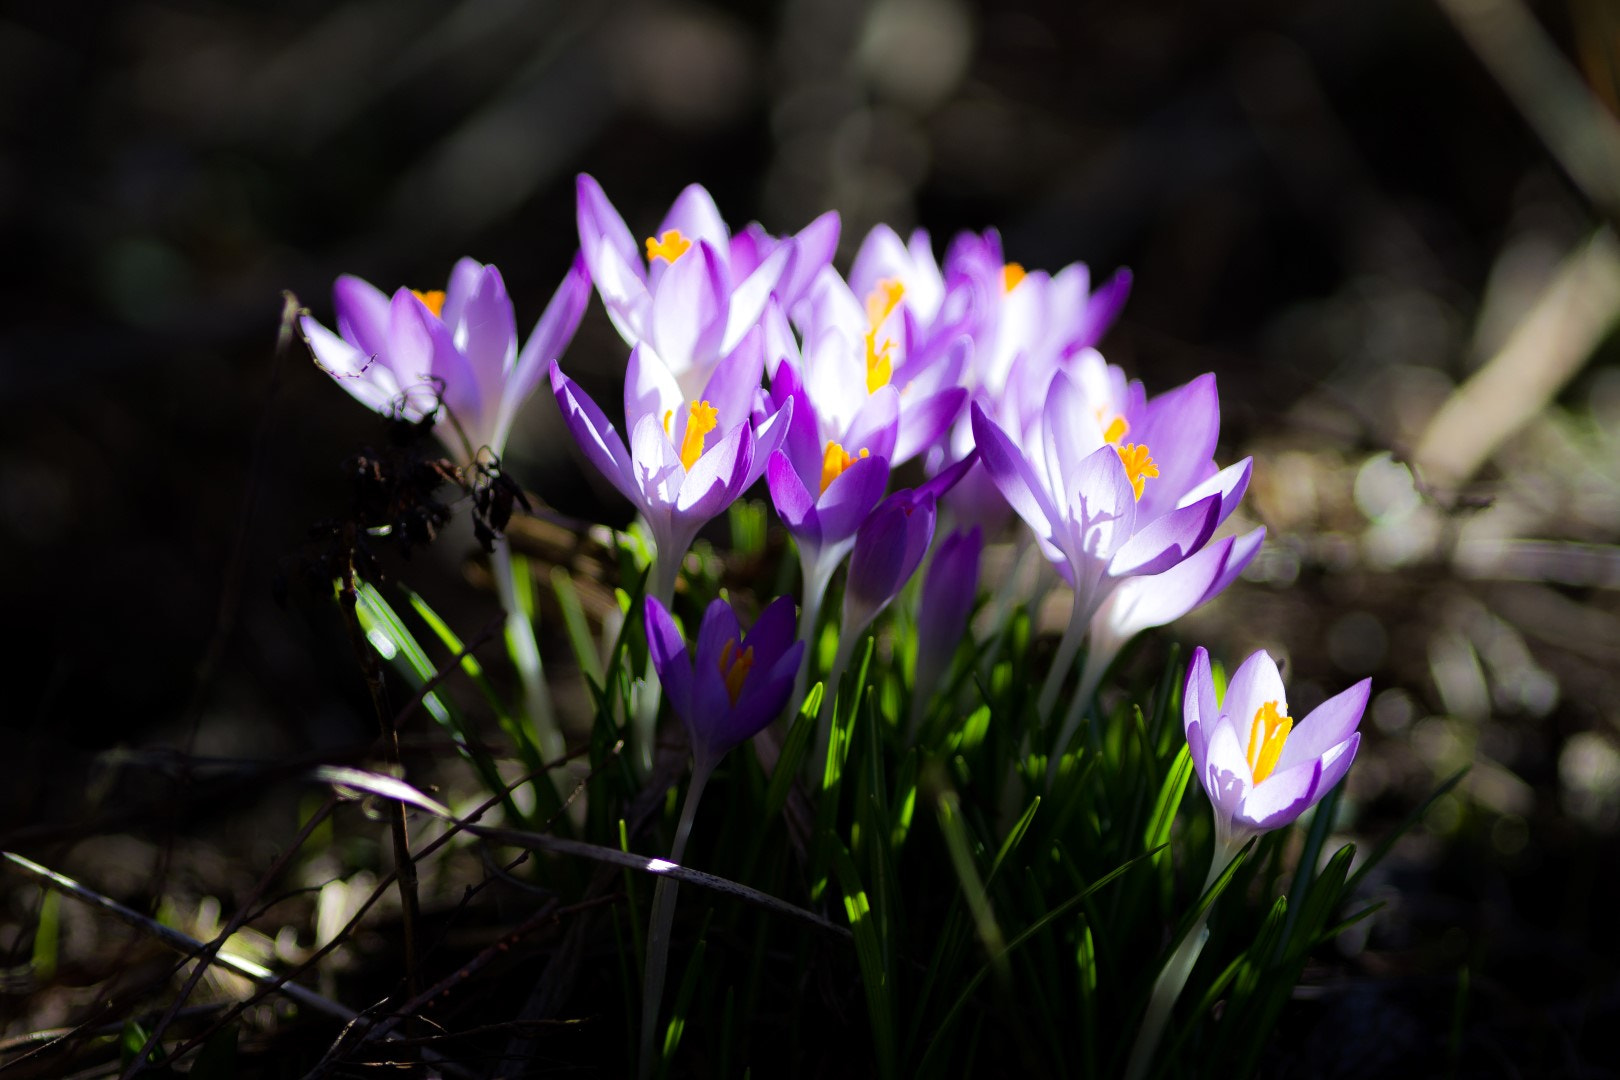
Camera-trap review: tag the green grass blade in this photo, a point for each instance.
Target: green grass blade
(576, 625)
(869, 952)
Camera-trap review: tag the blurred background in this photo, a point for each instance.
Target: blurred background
(1384, 224)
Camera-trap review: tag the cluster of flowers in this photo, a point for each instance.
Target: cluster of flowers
(751, 356)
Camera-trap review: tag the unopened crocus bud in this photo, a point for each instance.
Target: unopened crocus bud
(948, 592)
(888, 548)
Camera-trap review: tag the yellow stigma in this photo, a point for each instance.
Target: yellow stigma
(699, 422)
(879, 362)
(883, 299)
(669, 417)
(671, 246)
(1113, 430)
(734, 667)
(834, 461)
(1139, 468)
(1267, 735)
(433, 301)
(1011, 275)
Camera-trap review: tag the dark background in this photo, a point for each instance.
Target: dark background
(1331, 203)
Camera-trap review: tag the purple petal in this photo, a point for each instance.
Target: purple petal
(1255, 683)
(1179, 429)
(1103, 308)
(1230, 484)
(769, 435)
(595, 435)
(1225, 775)
(485, 332)
(923, 423)
(696, 216)
(366, 379)
(715, 481)
(669, 658)
(552, 333)
(1282, 797)
(849, 499)
(465, 279)
(745, 305)
(793, 501)
(1166, 541)
(1328, 725)
(361, 311)
(601, 226)
(772, 632)
(719, 626)
(816, 244)
(1199, 711)
(876, 425)
(736, 377)
(685, 307)
(1016, 481)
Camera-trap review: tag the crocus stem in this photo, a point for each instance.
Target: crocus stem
(1068, 646)
(1168, 986)
(644, 722)
(1090, 677)
(525, 653)
(847, 640)
(816, 580)
(663, 918)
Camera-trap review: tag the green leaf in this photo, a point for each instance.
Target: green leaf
(576, 625)
(869, 952)
(793, 751)
(47, 938)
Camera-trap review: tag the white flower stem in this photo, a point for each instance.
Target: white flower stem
(1090, 676)
(525, 653)
(816, 580)
(663, 918)
(1173, 978)
(1068, 646)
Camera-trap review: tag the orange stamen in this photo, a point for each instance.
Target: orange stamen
(699, 422)
(834, 461)
(669, 247)
(433, 301)
(883, 299)
(1139, 467)
(734, 668)
(1011, 275)
(879, 363)
(1267, 736)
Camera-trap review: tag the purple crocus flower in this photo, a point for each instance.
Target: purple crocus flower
(889, 547)
(1033, 325)
(407, 355)
(733, 684)
(688, 458)
(680, 292)
(1114, 488)
(948, 591)
(1260, 769)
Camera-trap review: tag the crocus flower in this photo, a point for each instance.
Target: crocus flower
(1114, 486)
(680, 293)
(733, 684)
(725, 690)
(407, 355)
(1260, 769)
(689, 457)
(948, 591)
(1034, 325)
(889, 547)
